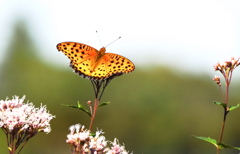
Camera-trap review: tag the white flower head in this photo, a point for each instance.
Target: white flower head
(21, 121)
(77, 134)
(14, 114)
(83, 141)
(10, 104)
(98, 142)
(117, 148)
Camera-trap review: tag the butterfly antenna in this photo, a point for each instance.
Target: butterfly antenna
(99, 38)
(113, 41)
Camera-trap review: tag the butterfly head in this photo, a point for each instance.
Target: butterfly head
(102, 51)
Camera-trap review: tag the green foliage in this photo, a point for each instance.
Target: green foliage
(207, 139)
(233, 107)
(80, 107)
(224, 146)
(214, 142)
(103, 104)
(222, 104)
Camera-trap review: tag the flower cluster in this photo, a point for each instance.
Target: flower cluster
(227, 65)
(217, 80)
(83, 142)
(21, 121)
(116, 148)
(226, 68)
(23, 117)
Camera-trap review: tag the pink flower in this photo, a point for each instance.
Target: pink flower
(98, 142)
(117, 148)
(21, 121)
(217, 80)
(82, 142)
(14, 114)
(226, 68)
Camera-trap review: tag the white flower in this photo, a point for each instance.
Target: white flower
(117, 148)
(82, 141)
(21, 121)
(14, 114)
(76, 134)
(9, 104)
(98, 143)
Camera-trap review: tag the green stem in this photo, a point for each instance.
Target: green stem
(222, 130)
(98, 87)
(225, 115)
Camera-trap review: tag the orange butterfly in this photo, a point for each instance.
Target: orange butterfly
(89, 62)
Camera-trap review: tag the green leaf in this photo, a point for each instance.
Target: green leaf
(222, 104)
(93, 134)
(207, 139)
(214, 142)
(233, 107)
(103, 104)
(80, 107)
(224, 146)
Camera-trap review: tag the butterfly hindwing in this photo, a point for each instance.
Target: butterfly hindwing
(118, 64)
(85, 69)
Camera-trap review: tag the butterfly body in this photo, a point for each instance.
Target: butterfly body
(95, 64)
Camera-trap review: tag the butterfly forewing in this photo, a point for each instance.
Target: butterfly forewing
(77, 52)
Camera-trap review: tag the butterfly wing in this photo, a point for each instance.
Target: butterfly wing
(77, 52)
(88, 61)
(99, 72)
(110, 65)
(82, 56)
(116, 64)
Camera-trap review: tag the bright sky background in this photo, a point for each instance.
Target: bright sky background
(186, 34)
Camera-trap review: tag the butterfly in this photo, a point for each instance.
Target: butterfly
(95, 64)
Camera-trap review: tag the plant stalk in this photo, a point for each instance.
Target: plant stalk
(225, 115)
(96, 104)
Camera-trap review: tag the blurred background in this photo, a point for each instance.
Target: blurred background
(174, 45)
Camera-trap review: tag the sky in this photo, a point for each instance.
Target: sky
(189, 35)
